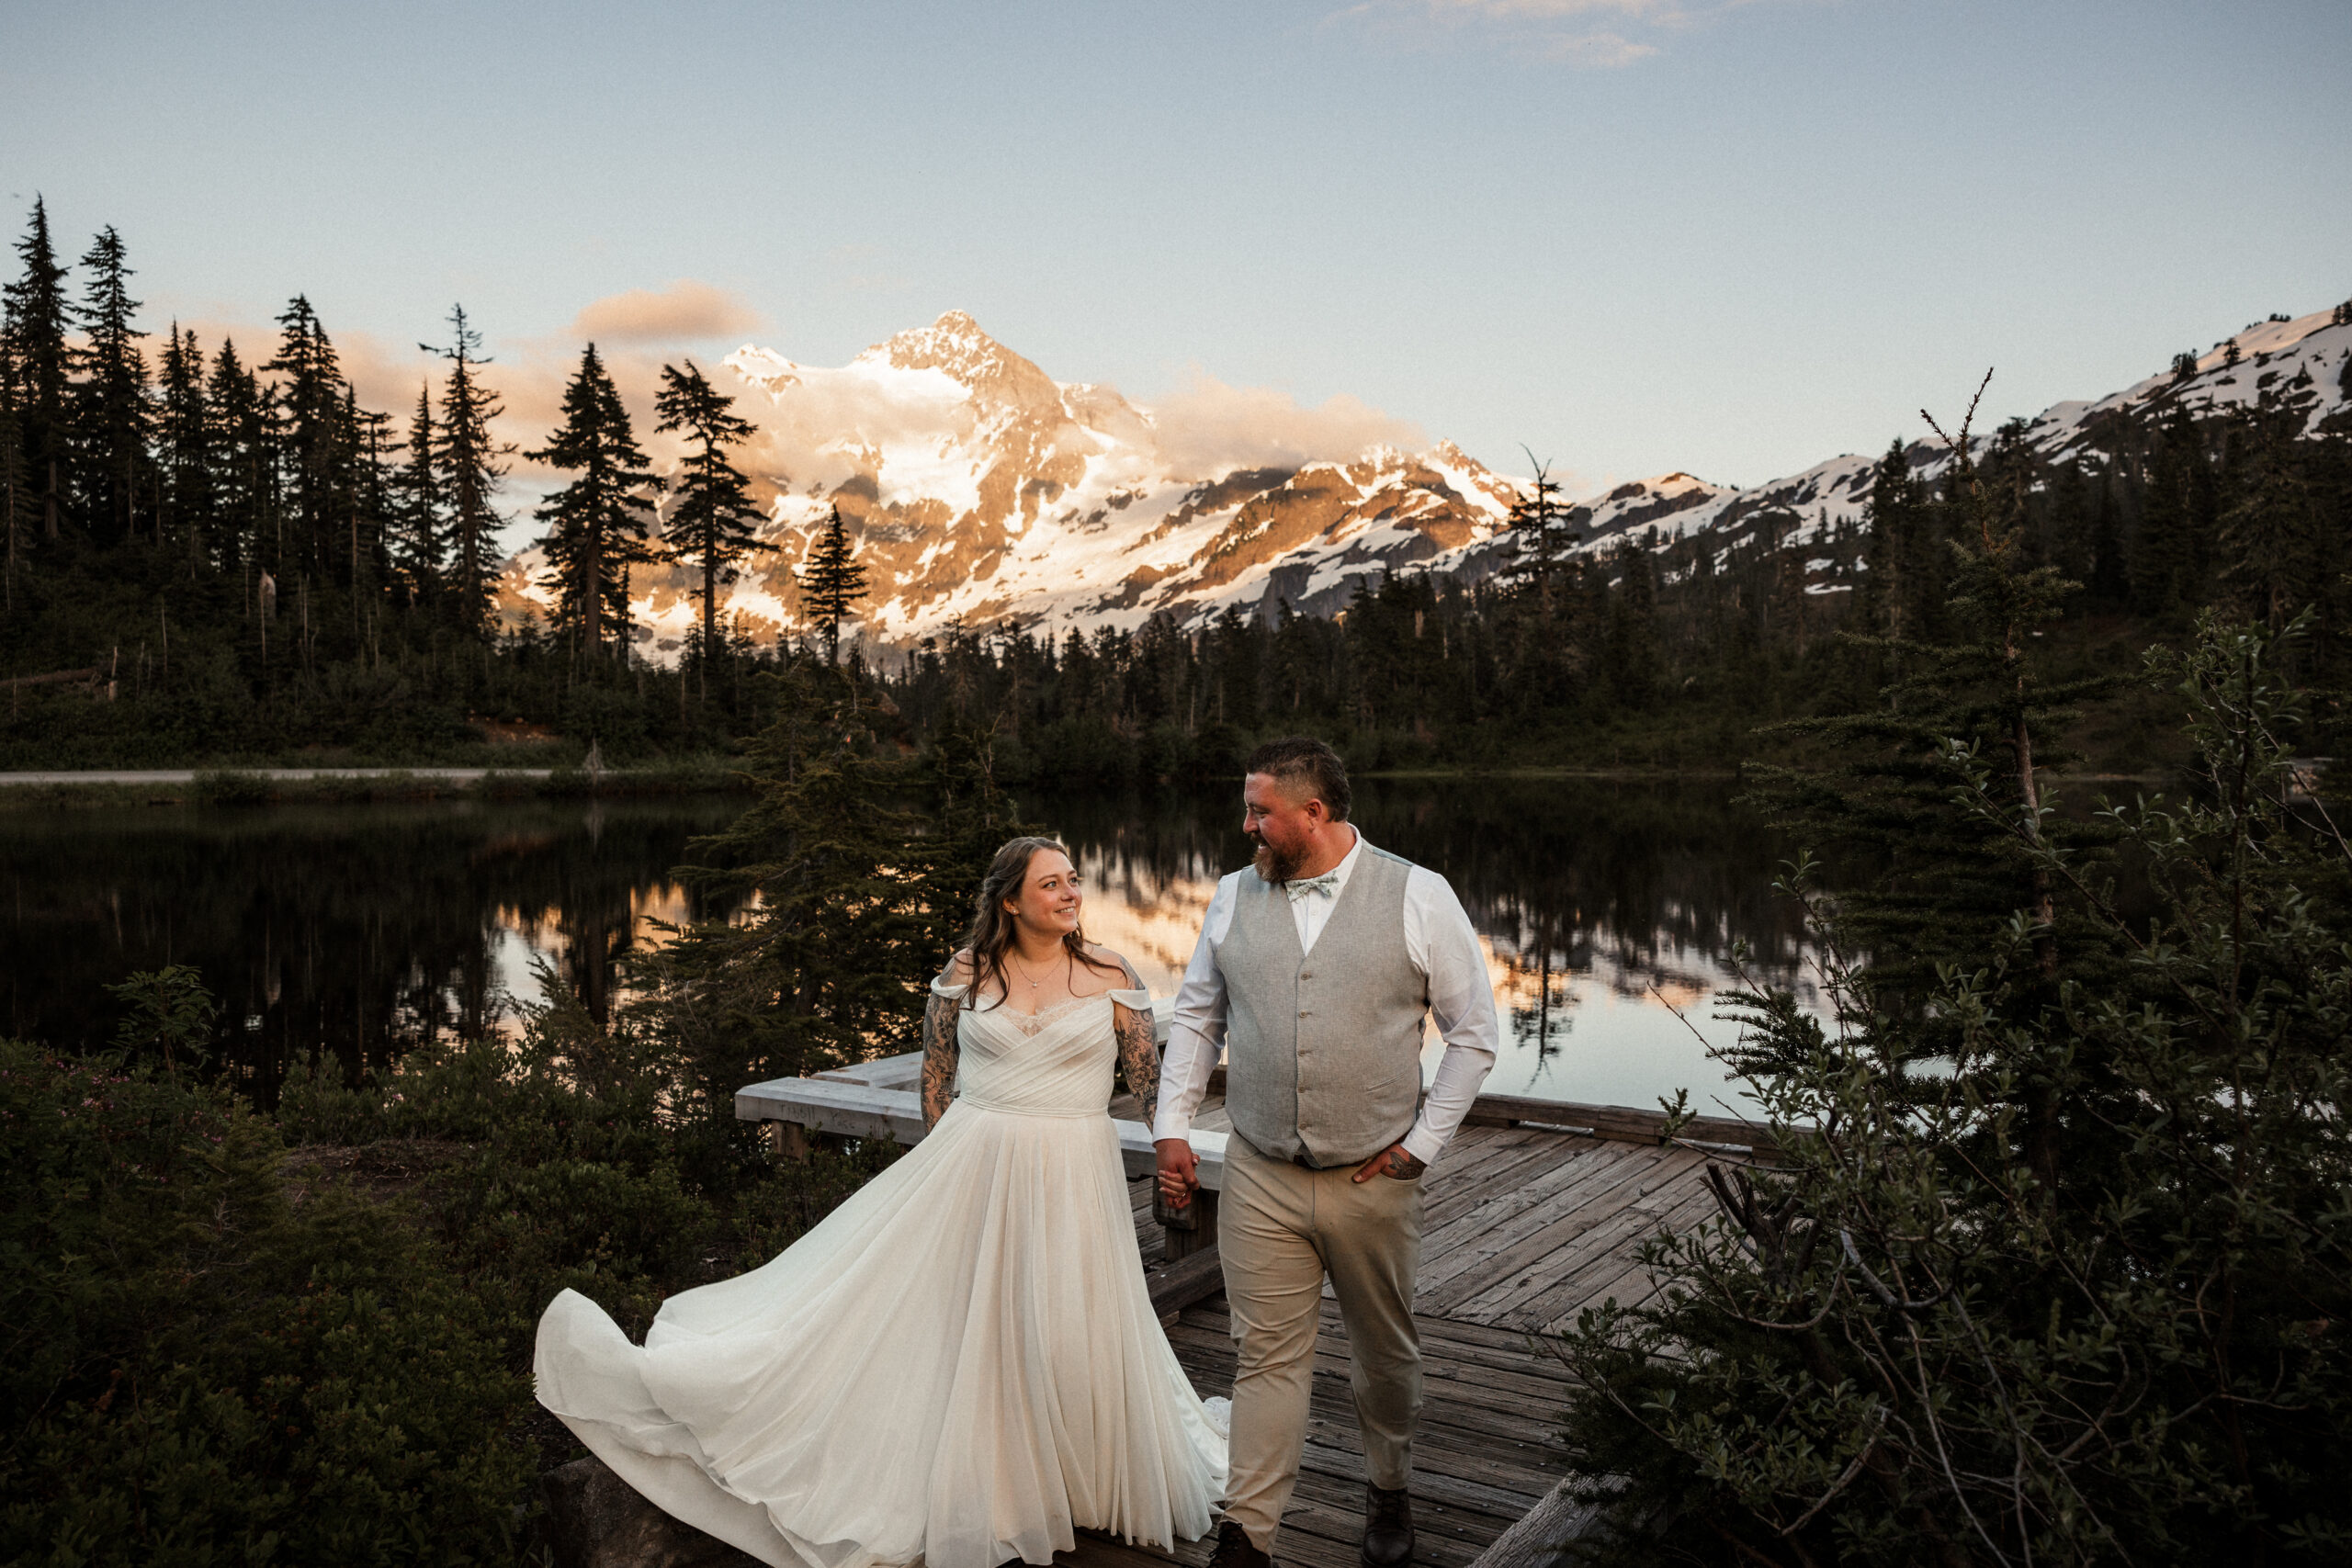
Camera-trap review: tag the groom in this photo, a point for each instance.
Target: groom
(1314, 970)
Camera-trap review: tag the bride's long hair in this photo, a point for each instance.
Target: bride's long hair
(991, 935)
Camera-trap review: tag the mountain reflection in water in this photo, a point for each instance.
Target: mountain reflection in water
(1609, 913)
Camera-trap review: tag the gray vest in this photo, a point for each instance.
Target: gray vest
(1323, 1050)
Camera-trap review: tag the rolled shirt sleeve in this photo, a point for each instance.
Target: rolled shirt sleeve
(1196, 1032)
(1461, 1003)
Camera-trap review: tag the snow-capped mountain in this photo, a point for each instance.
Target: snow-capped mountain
(2304, 364)
(979, 490)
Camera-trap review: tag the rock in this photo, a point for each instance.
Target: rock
(594, 1519)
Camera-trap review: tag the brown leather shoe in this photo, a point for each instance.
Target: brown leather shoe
(1388, 1527)
(1236, 1550)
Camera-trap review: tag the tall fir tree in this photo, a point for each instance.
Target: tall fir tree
(596, 524)
(40, 366)
(315, 445)
(183, 446)
(711, 522)
(467, 461)
(1541, 526)
(113, 417)
(244, 468)
(831, 583)
(421, 530)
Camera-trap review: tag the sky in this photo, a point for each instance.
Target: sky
(1624, 236)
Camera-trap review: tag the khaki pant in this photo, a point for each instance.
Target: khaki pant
(1281, 1229)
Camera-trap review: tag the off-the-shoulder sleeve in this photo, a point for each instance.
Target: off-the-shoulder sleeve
(943, 987)
(1138, 999)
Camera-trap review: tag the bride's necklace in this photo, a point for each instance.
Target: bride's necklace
(1023, 969)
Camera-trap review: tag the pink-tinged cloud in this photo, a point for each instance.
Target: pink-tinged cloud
(1210, 428)
(687, 310)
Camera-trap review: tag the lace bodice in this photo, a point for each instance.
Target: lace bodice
(1060, 1061)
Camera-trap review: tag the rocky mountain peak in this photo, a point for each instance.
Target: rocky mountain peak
(957, 347)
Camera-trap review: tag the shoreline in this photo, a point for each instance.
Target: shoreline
(63, 788)
(70, 788)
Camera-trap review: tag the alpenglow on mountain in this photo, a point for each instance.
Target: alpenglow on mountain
(980, 492)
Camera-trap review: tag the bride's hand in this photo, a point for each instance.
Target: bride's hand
(1180, 1172)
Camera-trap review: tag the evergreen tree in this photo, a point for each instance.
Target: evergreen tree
(245, 465)
(2162, 574)
(113, 420)
(466, 462)
(366, 497)
(711, 520)
(831, 583)
(419, 539)
(857, 901)
(1541, 524)
(184, 445)
(597, 523)
(2271, 535)
(1895, 523)
(40, 364)
(315, 444)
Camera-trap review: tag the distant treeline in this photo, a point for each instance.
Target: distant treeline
(210, 555)
(1675, 654)
(210, 559)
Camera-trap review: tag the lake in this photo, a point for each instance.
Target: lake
(1609, 913)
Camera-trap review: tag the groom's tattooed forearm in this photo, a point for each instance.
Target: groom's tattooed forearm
(1138, 1057)
(938, 1058)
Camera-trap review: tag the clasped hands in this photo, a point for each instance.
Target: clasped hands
(1179, 1173)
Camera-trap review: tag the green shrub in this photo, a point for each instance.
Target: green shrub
(204, 1369)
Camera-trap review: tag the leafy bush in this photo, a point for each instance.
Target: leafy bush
(206, 1364)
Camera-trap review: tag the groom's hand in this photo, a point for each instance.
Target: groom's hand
(1179, 1171)
(1391, 1161)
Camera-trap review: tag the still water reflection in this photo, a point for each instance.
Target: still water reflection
(355, 931)
(1609, 914)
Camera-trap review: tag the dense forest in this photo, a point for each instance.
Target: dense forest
(214, 555)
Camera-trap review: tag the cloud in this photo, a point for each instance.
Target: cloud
(1602, 34)
(1210, 428)
(687, 309)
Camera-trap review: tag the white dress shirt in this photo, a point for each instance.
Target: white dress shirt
(1442, 947)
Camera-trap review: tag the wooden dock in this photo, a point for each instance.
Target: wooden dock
(1535, 1212)
(1523, 1227)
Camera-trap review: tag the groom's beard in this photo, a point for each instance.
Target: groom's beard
(1272, 865)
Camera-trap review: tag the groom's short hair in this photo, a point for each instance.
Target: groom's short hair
(1305, 766)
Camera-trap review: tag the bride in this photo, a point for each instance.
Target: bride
(961, 1364)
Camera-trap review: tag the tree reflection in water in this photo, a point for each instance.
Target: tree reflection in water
(359, 931)
(354, 931)
(1610, 911)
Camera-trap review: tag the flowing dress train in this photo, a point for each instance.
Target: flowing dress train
(958, 1366)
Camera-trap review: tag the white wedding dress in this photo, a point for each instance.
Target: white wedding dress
(958, 1366)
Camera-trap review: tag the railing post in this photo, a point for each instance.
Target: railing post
(1189, 1229)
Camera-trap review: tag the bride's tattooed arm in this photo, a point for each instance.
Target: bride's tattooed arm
(938, 1057)
(1138, 1055)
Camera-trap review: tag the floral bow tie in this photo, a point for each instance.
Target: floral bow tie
(1323, 887)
